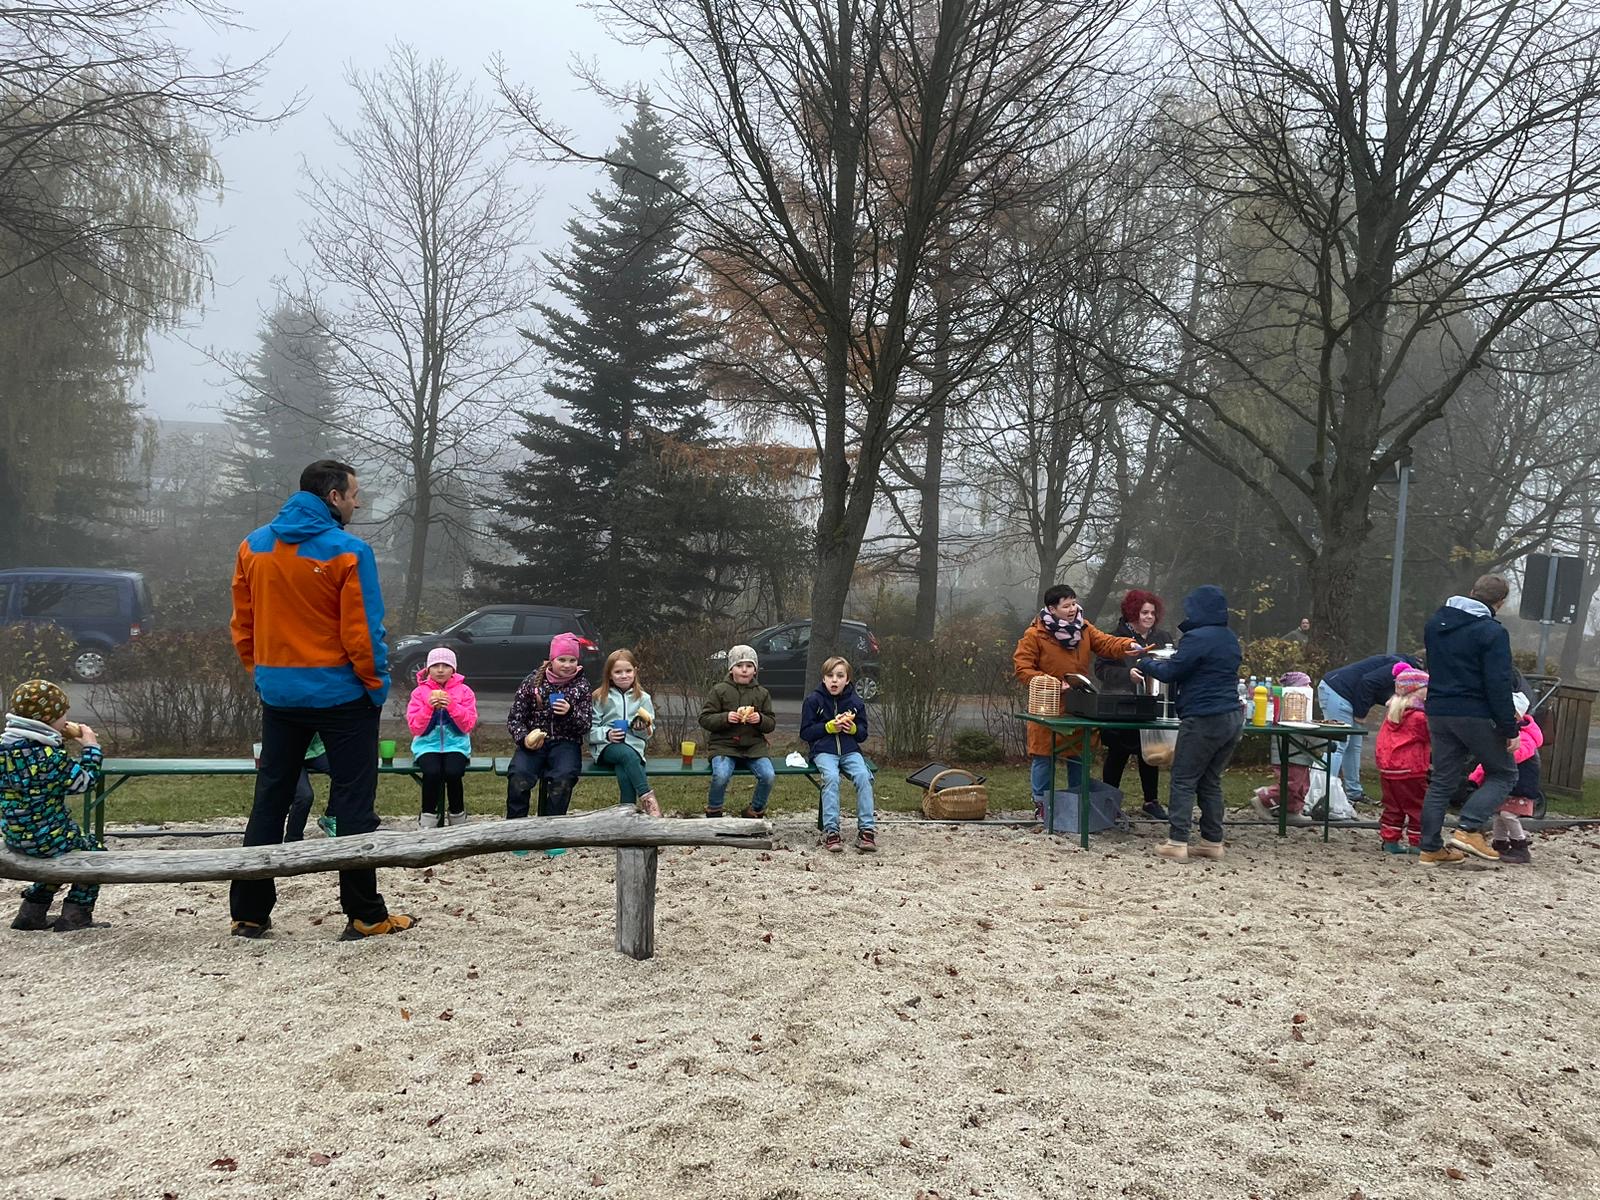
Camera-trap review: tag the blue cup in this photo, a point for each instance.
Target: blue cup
(620, 725)
(554, 696)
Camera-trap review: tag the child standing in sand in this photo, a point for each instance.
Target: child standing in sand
(36, 777)
(1515, 846)
(1404, 754)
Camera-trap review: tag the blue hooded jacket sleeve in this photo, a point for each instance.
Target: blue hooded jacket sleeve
(1205, 670)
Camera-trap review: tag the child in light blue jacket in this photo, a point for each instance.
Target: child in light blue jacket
(619, 731)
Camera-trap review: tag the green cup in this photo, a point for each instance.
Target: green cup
(386, 751)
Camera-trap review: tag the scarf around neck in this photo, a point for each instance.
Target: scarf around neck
(559, 681)
(1068, 633)
(24, 729)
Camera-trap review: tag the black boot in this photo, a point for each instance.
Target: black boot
(34, 914)
(77, 916)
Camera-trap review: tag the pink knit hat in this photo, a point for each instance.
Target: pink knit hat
(442, 654)
(565, 645)
(1412, 679)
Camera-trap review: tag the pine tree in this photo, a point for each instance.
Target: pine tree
(602, 510)
(284, 414)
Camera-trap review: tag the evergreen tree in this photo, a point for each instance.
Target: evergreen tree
(603, 513)
(284, 413)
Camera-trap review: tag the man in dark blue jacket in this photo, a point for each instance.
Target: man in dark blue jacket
(1205, 678)
(1348, 695)
(1471, 718)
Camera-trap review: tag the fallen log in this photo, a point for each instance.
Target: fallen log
(612, 828)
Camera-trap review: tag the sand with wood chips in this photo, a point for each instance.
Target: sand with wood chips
(971, 1012)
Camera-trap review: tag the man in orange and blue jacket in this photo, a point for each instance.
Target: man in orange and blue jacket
(308, 623)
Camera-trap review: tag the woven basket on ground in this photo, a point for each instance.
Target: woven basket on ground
(958, 802)
(1044, 696)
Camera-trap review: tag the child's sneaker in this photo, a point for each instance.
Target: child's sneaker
(1258, 801)
(832, 842)
(1393, 848)
(866, 841)
(1518, 854)
(713, 812)
(328, 825)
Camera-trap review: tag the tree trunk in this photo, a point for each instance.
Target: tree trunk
(933, 469)
(1333, 573)
(928, 531)
(1113, 555)
(416, 562)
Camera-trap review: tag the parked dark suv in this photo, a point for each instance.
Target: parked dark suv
(101, 610)
(500, 644)
(782, 650)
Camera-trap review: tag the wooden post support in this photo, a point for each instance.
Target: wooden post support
(636, 901)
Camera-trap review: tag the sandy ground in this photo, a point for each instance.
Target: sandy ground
(973, 1012)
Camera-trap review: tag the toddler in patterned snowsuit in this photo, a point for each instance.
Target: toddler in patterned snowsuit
(36, 776)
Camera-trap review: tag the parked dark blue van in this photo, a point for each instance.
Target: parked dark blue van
(100, 609)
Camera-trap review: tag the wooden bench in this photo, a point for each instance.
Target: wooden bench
(117, 771)
(700, 768)
(635, 838)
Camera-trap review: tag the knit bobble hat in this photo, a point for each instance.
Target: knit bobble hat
(743, 654)
(39, 700)
(1410, 680)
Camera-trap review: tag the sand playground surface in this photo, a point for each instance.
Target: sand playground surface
(972, 1012)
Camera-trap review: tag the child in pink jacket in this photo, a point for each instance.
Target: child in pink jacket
(1404, 753)
(1509, 838)
(442, 714)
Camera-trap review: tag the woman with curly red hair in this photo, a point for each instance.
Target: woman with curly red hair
(1141, 621)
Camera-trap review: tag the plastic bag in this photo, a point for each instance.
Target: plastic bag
(1158, 746)
(1339, 806)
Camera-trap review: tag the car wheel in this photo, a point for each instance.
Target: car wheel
(89, 664)
(867, 687)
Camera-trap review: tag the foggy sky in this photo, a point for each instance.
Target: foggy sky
(255, 228)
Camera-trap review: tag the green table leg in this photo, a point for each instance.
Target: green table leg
(1283, 785)
(1327, 807)
(1085, 760)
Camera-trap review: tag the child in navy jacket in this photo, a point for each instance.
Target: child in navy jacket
(833, 720)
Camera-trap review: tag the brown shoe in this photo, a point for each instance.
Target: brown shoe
(1475, 844)
(754, 814)
(1434, 858)
(393, 923)
(1205, 849)
(1173, 851)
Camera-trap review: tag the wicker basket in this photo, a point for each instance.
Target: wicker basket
(960, 802)
(1044, 696)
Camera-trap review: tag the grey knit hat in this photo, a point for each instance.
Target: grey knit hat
(743, 654)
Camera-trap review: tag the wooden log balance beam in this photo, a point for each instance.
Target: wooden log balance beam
(636, 839)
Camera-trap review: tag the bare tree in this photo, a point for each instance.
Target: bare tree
(416, 254)
(838, 144)
(104, 128)
(1387, 181)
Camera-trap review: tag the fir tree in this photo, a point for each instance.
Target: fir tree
(284, 414)
(602, 511)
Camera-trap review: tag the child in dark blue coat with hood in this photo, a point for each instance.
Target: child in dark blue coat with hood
(1204, 675)
(833, 720)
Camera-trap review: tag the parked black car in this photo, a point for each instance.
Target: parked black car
(500, 644)
(101, 610)
(782, 650)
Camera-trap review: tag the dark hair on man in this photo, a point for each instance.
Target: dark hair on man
(1057, 594)
(1491, 589)
(324, 476)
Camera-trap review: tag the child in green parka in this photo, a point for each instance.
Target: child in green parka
(738, 716)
